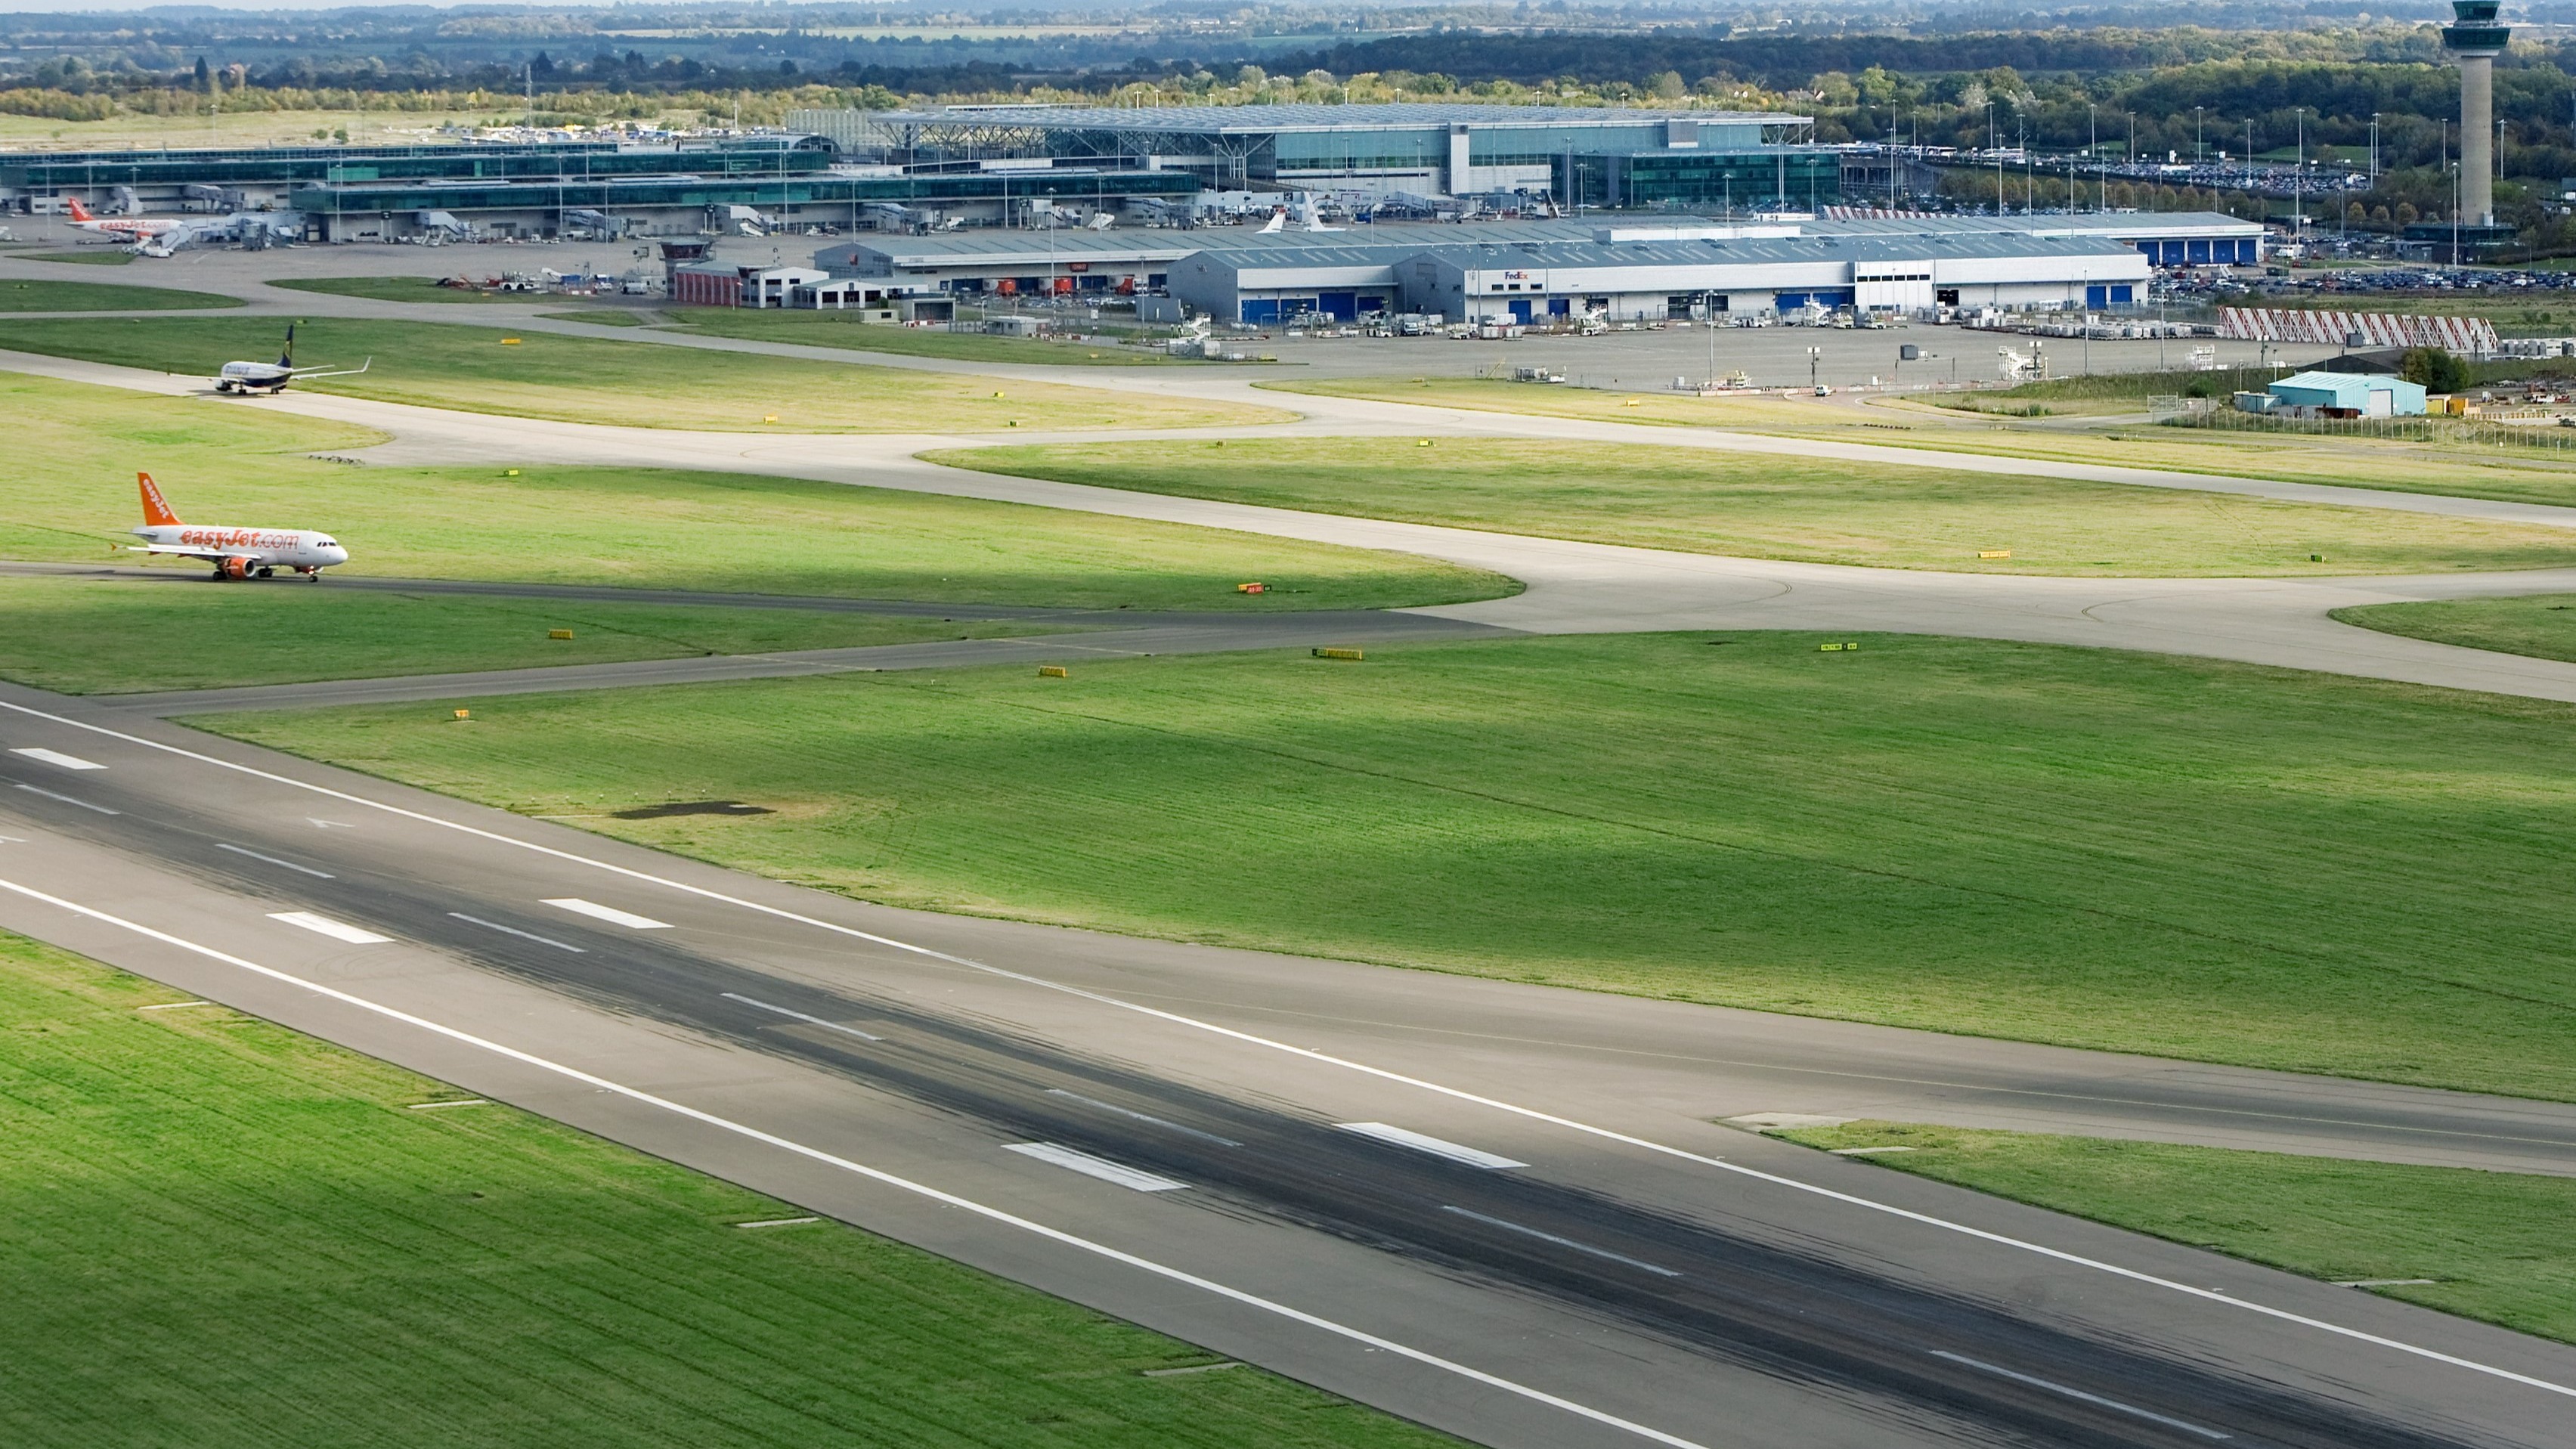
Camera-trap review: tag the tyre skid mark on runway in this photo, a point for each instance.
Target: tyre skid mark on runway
(877, 1175)
(1791, 1314)
(2205, 1295)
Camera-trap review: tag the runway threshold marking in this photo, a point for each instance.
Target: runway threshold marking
(57, 757)
(515, 931)
(1435, 1146)
(2053, 1387)
(985, 1211)
(67, 799)
(1133, 1179)
(1607, 1134)
(1133, 1115)
(325, 926)
(1544, 1237)
(273, 860)
(610, 914)
(800, 1016)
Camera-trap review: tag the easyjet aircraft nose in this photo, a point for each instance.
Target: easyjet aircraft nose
(331, 552)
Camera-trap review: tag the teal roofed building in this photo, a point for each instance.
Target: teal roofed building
(2339, 394)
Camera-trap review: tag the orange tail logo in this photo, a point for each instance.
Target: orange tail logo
(156, 509)
(79, 212)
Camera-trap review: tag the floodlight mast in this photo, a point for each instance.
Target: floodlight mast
(2475, 40)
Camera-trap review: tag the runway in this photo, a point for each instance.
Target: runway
(1634, 1258)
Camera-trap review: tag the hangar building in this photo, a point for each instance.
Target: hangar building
(1655, 280)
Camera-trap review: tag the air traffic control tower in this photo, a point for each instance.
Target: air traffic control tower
(2475, 40)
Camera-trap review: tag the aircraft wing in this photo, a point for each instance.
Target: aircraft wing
(190, 551)
(325, 372)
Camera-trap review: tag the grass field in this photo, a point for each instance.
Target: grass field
(405, 289)
(2468, 470)
(75, 635)
(2124, 851)
(821, 329)
(1816, 510)
(93, 256)
(220, 464)
(129, 130)
(601, 317)
(48, 295)
(597, 380)
(2528, 624)
(2493, 1242)
(223, 1233)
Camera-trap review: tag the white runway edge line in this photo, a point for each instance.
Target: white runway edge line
(876, 1175)
(2206, 1295)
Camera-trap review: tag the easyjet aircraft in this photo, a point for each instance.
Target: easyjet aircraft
(136, 229)
(236, 553)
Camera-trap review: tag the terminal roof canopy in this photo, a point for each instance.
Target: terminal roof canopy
(1254, 120)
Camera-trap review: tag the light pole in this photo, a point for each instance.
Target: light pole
(1815, 356)
(2197, 153)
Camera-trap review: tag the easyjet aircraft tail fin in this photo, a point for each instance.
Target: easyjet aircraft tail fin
(79, 212)
(156, 509)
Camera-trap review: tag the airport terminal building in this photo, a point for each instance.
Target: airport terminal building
(1572, 156)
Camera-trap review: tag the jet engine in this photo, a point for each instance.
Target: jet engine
(239, 567)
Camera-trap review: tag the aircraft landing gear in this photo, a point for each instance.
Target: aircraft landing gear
(267, 572)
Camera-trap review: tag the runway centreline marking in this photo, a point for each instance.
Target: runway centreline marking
(800, 1016)
(2206, 1295)
(872, 1174)
(2149, 1415)
(273, 860)
(66, 799)
(1133, 1115)
(1527, 1231)
(515, 931)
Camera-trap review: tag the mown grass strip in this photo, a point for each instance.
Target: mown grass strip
(224, 1233)
(604, 380)
(1818, 510)
(2486, 1245)
(2540, 625)
(45, 294)
(2133, 852)
(649, 528)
